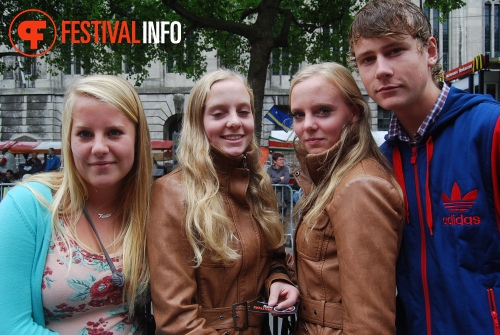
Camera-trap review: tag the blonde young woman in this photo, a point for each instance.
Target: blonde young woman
(55, 276)
(348, 237)
(215, 243)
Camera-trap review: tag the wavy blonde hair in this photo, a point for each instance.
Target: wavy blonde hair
(355, 144)
(70, 190)
(208, 226)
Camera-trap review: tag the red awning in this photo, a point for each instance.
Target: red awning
(161, 144)
(6, 144)
(31, 147)
(24, 147)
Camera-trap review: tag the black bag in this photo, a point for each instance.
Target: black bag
(281, 325)
(145, 318)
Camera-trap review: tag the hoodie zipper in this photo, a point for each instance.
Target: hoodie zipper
(423, 248)
(493, 310)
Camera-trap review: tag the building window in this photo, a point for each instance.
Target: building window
(438, 28)
(169, 64)
(276, 62)
(496, 31)
(67, 58)
(492, 29)
(487, 27)
(282, 64)
(383, 118)
(446, 46)
(78, 66)
(9, 63)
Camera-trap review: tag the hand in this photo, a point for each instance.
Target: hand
(287, 295)
(282, 177)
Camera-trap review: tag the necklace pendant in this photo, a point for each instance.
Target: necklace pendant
(104, 216)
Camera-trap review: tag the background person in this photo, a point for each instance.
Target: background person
(280, 174)
(55, 278)
(444, 144)
(352, 212)
(215, 237)
(9, 178)
(52, 162)
(7, 162)
(37, 163)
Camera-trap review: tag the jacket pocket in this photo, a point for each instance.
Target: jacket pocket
(493, 311)
(310, 242)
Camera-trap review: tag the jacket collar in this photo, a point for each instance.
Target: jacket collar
(315, 166)
(233, 174)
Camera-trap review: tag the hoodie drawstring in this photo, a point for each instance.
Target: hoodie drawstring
(398, 171)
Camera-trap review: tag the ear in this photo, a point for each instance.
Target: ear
(355, 114)
(432, 51)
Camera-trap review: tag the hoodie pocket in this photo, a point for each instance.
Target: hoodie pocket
(493, 311)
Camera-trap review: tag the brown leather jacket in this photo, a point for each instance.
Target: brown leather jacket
(346, 268)
(188, 300)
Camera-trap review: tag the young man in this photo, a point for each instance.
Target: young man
(280, 174)
(444, 145)
(53, 162)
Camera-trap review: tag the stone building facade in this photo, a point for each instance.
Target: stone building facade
(31, 110)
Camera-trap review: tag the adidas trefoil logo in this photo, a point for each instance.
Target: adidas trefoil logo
(456, 205)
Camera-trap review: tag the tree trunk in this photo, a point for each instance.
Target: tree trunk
(262, 43)
(257, 72)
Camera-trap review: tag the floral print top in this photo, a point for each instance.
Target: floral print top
(80, 298)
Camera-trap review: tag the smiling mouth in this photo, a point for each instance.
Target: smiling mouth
(98, 164)
(232, 137)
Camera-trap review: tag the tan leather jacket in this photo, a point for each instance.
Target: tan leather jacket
(188, 300)
(346, 268)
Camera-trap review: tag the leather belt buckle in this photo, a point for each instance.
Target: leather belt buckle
(235, 315)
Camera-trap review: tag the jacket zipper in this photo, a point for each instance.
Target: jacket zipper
(423, 252)
(493, 310)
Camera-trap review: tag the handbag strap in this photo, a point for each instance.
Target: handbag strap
(117, 278)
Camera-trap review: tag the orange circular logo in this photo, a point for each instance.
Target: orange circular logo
(34, 30)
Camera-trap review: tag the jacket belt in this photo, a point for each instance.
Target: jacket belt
(320, 312)
(236, 316)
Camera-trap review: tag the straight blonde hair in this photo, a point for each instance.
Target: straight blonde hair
(208, 226)
(355, 144)
(70, 191)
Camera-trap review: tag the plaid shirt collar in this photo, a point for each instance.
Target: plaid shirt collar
(395, 128)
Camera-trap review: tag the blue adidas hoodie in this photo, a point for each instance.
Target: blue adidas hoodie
(448, 272)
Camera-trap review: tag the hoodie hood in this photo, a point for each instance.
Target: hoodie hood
(460, 102)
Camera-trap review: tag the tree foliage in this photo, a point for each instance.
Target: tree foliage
(249, 36)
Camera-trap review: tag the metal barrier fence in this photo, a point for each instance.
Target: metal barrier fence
(4, 188)
(284, 196)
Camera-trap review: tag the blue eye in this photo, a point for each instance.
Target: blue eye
(298, 115)
(115, 132)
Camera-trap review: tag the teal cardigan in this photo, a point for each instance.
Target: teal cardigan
(25, 235)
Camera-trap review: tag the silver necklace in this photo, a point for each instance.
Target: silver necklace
(101, 215)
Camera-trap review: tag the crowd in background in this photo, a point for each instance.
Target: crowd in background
(13, 169)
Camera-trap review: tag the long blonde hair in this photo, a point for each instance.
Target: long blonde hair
(71, 191)
(208, 226)
(355, 144)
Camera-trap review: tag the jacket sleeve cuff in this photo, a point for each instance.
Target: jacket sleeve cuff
(275, 276)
